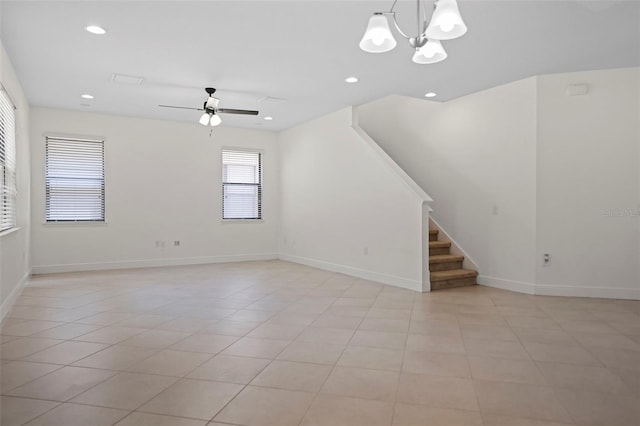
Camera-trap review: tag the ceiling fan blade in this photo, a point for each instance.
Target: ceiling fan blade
(180, 107)
(237, 111)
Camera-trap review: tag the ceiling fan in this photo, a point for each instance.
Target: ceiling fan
(211, 110)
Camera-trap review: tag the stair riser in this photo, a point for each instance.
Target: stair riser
(433, 237)
(435, 251)
(445, 266)
(459, 282)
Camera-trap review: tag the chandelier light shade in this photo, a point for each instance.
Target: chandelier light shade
(204, 119)
(430, 53)
(378, 38)
(445, 24)
(215, 120)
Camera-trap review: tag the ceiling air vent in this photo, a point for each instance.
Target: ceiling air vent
(130, 80)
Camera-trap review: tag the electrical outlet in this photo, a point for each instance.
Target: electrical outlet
(546, 259)
(176, 243)
(160, 244)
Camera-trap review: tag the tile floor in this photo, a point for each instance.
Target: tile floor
(278, 344)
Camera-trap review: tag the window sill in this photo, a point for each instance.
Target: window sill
(74, 224)
(9, 231)
(242, 220)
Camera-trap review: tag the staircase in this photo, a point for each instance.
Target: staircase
(446, 269)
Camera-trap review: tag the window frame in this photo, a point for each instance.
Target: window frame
(75, 222)
(259, 185)
(9, 192)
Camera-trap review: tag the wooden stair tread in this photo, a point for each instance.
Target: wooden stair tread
(433, 231)
(453, 274)
(437, 244)
(444, 258)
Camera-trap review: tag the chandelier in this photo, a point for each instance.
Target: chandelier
(445, 24)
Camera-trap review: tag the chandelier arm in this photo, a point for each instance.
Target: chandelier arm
(392, 6)
(395, 23)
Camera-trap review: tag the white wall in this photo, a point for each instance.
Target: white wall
(342, 209)
(589, 184)
(476, 156)
(15, 263)
(163, 182)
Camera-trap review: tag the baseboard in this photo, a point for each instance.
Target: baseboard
(150, 263)
(392, 280)
(8, 302)
(594, 292)
(517, 286)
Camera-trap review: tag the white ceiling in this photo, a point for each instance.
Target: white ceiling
(298, 50)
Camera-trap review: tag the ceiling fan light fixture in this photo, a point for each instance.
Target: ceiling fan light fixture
(212, 103)
(215, 120)
(204, 119)
(430, 53)
(377, 37)
(446, 22)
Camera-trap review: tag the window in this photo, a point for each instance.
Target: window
(241, 185)
(74, 178)
(7, 162)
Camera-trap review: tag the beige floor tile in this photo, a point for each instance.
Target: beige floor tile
(545, 336)
(336, 336)
(374, 358)
(171, 363)
(232, 369)
(126, 391)
(475, 331)
(393, 314)
(66, 352)
(435, 363)
(27, 328)
(257, 348)
(79, 415)
(618, 358)
(631, 380)
(434, 391)
(435, 328)
(379, 339)
(232, 328)
(337, 321)
(385, 324)
(276, 331)
(158, 339)
(198, 399)
(110, 334)
(600, 409)
(505, 370)
(293, 376)
(18, 411)
(186, 325)
(251, 315)
(146, 419)
(18, 373)
(531, 322)
(606, 340)
(25, 346)
(67, 331)
(496, 348)
(106, 318)
(204, 342)
(496, 420)
(434, 343)
(146, 321)
(256, 406)
(586, 326)
(560, 353)
(420, 415)
(116, 357)
(362, 383)
(62, 384)
(314, 352)
(520, 400)
(581, 377)
(333, 410)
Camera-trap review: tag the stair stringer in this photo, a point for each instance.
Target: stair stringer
(425, 199)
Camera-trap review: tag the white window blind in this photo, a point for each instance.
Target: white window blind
(241, 185)
(74, 180)
(7, 162)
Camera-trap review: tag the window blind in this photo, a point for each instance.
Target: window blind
(74, 180)
(7, 162)
(241, 185)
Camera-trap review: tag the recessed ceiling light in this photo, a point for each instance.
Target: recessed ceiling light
(268, 118)
(431, 95)
(94, 29)
(86, 96)
(351, 79)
